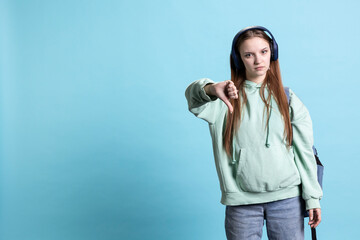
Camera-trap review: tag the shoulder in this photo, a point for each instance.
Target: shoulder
(297, 107)
(294, 99)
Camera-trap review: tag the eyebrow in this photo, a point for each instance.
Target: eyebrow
(261, 50)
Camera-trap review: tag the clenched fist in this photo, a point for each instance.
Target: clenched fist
(224, 90)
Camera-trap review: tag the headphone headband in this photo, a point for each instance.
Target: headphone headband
(273, 45)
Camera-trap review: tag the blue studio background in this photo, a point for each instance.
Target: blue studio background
(96, 138)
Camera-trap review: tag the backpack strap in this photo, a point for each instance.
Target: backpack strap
(287, 94)
(313, 234)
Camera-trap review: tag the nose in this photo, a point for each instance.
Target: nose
(257, 59)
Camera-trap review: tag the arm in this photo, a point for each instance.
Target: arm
(202, 96)
(304, 156)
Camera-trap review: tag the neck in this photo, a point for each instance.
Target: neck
(257, 79)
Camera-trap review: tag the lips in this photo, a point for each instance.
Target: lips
(259, 68)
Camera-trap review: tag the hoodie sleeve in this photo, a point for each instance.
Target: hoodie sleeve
(200, 104)
(304, 156)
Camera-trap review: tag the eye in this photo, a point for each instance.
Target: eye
(264, 51)
(247, 55)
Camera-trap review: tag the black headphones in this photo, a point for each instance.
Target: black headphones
(236, 56)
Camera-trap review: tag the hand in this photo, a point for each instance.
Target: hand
(314, 217)
(224, 90)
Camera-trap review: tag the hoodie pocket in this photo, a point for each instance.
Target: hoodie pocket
(263, 169)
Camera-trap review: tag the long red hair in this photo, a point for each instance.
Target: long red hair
(272, 81)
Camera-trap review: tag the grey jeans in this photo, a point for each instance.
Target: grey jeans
(284, 220)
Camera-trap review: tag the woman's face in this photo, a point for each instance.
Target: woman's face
(255, 54)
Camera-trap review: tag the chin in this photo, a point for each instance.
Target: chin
(260, 73)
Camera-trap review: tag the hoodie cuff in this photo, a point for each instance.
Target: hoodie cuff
(312, 203)
(203, 93)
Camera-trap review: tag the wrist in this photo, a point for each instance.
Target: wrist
(208, 89)
(312, 203)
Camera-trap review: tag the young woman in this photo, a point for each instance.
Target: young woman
(262, 145)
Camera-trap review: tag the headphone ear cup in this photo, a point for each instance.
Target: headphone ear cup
(235, 58)
(239, 65)
(274, 51)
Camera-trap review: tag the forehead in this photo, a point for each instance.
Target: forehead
(253, 44)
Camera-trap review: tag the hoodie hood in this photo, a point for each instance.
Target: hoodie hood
(251, 84)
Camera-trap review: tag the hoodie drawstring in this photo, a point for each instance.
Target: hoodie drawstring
(233, 152)
(267, 144)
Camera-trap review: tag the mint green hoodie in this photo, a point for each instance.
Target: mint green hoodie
(262, 169)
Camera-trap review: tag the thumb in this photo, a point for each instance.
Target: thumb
(311, 215)
(226, 99)
(228, 104)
